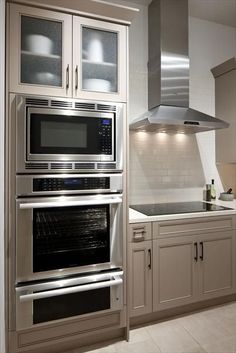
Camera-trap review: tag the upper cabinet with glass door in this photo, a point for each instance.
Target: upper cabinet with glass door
(99, 59)
(40, 51)
(44, 59)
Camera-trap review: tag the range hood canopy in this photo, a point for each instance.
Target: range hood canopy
(168, 73)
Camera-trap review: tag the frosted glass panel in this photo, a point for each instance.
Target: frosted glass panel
(99, 60)
(41, 51)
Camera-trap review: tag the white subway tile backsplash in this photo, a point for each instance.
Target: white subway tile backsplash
(164, 168)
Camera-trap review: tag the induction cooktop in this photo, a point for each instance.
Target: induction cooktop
(177, 208)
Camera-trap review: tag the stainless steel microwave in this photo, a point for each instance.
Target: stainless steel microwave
(54, 134)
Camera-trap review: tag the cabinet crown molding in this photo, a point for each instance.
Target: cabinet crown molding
(88, 8)
(225, 67)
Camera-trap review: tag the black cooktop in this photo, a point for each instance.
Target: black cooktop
(177, 207)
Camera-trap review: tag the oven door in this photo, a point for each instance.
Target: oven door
(64, 235)
(65, 135)
(65, 298)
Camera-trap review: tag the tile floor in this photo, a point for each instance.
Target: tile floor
(209, 331)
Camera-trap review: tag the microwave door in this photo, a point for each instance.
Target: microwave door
(66, 135)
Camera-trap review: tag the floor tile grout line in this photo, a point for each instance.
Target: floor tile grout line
(199, 344)
(187, 332)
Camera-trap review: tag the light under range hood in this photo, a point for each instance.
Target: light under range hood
(168, 74)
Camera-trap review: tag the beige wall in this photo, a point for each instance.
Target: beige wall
(210, 44)
(227, 174)
(2, 98)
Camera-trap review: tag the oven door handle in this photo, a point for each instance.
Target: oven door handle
(62, 291)
(64, 203)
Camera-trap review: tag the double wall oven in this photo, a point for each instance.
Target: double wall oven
(69, 223)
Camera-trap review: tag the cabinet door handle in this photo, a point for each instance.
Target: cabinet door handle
(196, 252)
(150, 259)
(201, 256)
(76, 77)
(67, 77)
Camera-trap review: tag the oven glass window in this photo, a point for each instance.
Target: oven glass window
(63, 306)
(68, 134)
(70, 236)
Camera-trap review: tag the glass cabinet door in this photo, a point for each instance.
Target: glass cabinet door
(39, 47)
(41, 51)
(99, 59)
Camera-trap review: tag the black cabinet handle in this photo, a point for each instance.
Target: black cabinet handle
(196, 252)
(201, 256)
(150, 259)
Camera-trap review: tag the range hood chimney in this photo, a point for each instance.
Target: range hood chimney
(168, 73)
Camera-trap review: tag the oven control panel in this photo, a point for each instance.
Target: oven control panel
(72, 183)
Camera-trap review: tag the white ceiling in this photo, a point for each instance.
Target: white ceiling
(221, 11)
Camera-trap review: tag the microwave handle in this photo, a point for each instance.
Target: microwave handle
(69, 290)
(30, 205)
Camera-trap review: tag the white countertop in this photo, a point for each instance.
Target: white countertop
(137, 217)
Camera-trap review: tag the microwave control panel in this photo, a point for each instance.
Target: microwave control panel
(105, 132)
(60, 184)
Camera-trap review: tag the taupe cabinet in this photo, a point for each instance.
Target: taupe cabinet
(192, 260)
(174, 272)
(225, 107)
(140, 269)
(52, 53)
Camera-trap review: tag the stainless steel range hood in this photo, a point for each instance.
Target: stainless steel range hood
(168, 74)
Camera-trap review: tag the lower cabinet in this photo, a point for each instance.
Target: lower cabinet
(185, 266)
(216, 264)
(188, 269)
(174, 272)
(140, 278)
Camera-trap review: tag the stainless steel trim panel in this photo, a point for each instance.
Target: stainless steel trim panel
(24, 184)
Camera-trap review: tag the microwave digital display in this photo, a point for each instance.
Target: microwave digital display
(106, 122)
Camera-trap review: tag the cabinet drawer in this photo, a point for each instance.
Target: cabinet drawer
(193, 226)
(140, 232)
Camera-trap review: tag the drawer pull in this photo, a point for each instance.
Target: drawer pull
(139, 235)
